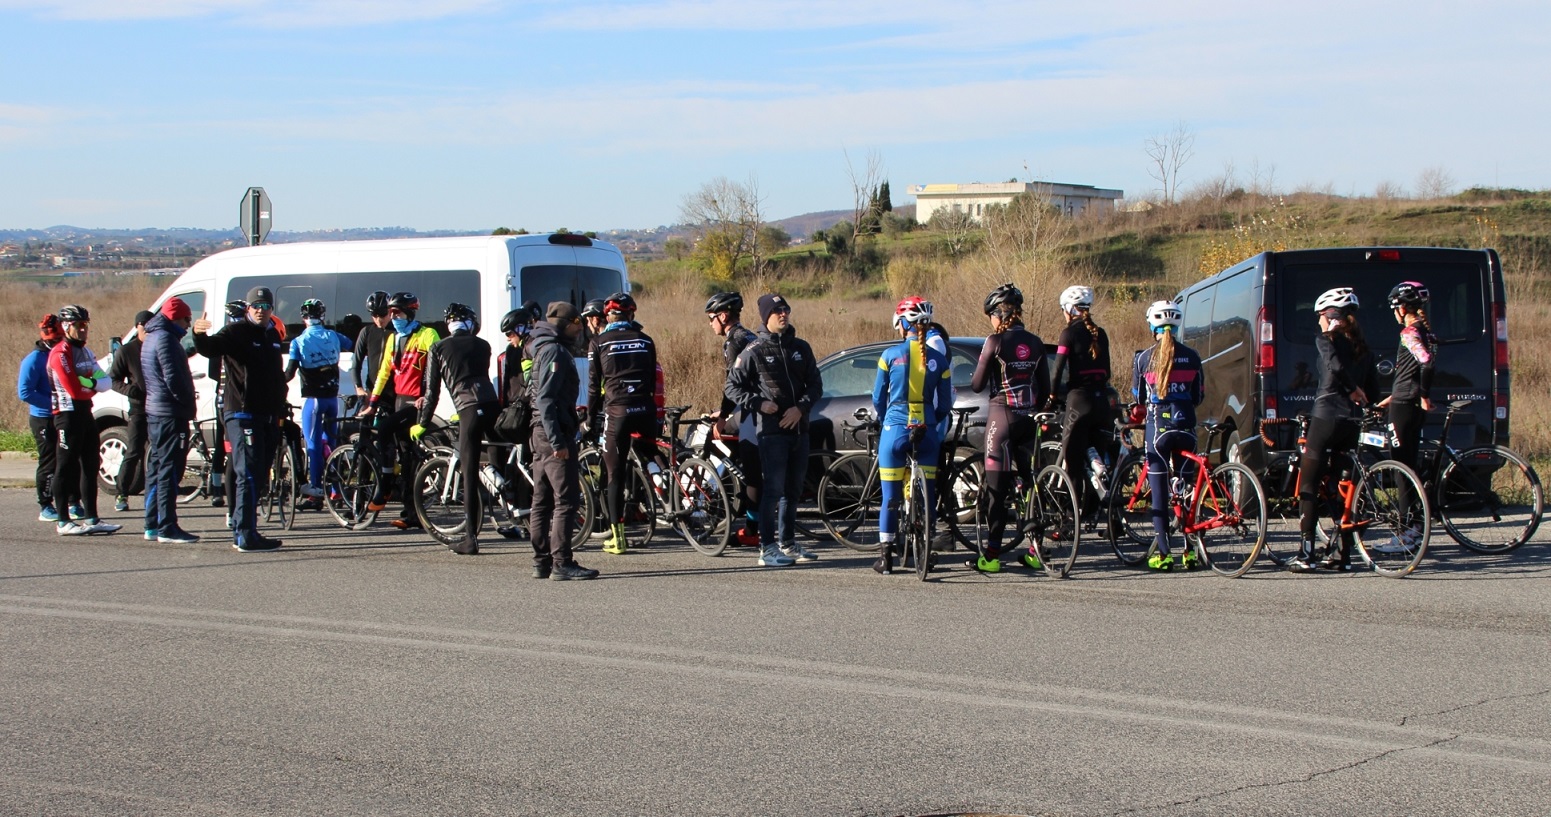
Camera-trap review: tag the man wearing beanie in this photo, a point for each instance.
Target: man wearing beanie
(169, 406)
(776, 379)
(128, 381)
(250, 350)
(554, 388)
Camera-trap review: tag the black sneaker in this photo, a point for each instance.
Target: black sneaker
(566, 572)
(542, 571)
(258, 543)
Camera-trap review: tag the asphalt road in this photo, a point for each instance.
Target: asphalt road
(377, 674)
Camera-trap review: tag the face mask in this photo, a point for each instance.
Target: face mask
(314, 322)
(459, 326)
(401, 325)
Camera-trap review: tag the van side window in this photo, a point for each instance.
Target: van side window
(1233, 314)
(345, 293)
(1198, 320)
(547, 283)
(196, 304)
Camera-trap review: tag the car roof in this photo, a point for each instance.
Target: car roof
(971, 345)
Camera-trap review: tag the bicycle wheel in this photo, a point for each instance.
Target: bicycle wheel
(958, 503)
(284, 492)
(916, 525)
(1049, 453)
(1489, 499)
(590, 461)
(587, 502)
(438, 501)
(703, 515)
(810, 522)
(1391, 535)
(1053, 511)
(849, 498)
(1282, 522)
(195, 481)
(1131, 532)
(638, 505)
(350, 478)
(1234, 507)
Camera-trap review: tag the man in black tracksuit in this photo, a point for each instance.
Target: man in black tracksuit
(462, 361)
(554, 388)
(128, 381)
(254, 401)
(777, 380)
(622, 400)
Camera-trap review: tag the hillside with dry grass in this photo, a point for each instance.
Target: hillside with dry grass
(843, 291)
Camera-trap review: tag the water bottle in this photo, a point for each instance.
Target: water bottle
(1096, 470)
(492, 479)
(653, 469)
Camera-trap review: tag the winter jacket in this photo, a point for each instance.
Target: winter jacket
(251, 355)
(169, 383)
(32, 382)
(125, 371)
(779, 368)
(554, 386)
(463, 363)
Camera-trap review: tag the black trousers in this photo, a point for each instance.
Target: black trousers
(1406, 419)
(557, 490)
(1327, 436)
(77, 461)
(46, 438)
(474, 424)
(131, 470)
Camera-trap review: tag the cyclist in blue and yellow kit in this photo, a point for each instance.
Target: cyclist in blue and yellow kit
(912, 393)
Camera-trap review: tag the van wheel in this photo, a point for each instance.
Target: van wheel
(112, 448)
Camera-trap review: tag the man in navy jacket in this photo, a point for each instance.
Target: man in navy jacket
(169, 406)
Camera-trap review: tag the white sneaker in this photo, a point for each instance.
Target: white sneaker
(1392, 546)
(773, 557)
(308, 490)
(99, 526)
(71, 529)
(799, 554)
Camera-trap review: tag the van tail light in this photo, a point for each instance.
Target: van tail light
(1270, 407)
(1500, 341)
(1265, 329)
(1390, 256)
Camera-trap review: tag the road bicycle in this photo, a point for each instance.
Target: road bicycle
(197, 478)
(1488, 497)
(1044, 511)
(851, 492)
(673, 487)
(287, 474)
(439, 496)
(1222, 514)
(1378, 505)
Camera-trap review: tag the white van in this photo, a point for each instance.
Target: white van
(493, 274)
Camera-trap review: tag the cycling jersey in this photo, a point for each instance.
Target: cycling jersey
(1341, 372)
(462, 362)
(403, 363)
(1170, 406)
(316, 353)
(1414, 364)
(1084, 363)
(914, 385)
(68, 362)
(738, 338)
(1012, 364)
(622, 371)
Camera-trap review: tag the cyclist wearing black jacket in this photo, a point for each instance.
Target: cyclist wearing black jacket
(130, 382)
(1346, 377)
(462, 361)
(1410, 396)
(1012, 365)
(724, 310)
(370, 342)
(623, 400)
(777, 380)
(1082, 356)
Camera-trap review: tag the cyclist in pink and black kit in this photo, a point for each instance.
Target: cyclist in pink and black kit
(1012, 365)
(1082, 355)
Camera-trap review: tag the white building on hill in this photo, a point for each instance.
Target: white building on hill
(1073, 199)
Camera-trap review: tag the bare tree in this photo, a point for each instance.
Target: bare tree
(1027, 232)
(1434, 183)
(1387, 191)
(726, 216)
(1169, 152)
(864, 189)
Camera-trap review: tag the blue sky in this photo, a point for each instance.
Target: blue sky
(595, 115)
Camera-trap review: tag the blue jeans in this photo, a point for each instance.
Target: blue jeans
(784, 460)
(164, 470)
(254, 439)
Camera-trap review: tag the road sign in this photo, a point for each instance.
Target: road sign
(253, 218)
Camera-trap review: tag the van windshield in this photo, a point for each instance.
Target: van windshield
(547, 283)
(1457, 311)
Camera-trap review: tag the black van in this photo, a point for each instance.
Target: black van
(1254, 326)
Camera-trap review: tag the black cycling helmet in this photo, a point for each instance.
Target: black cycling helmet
(71, 313)
(593, 309)
(516, 320)
(405, 302)
(313, 309)
(377, 304)
(1004, 295)
(1409, 293)
(236, 309)
(620, 302)
(724, 302)
(459, 312)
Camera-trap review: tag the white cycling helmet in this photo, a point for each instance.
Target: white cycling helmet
(1343, 298)
(913, 310)
(1076, 297)
(1164, 313)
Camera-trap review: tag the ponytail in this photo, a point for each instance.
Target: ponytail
(1163, 361)
(1093, 329)
(1421, 318)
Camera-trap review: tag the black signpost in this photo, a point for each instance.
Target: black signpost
(254, 218)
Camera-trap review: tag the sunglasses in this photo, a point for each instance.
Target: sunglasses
(781, 310)
(261, 306)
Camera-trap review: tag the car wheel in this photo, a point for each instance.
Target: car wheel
(112, 448)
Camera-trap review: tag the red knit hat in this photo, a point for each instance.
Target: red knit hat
(175, 309)
(49, 329)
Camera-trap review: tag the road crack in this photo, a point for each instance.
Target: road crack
(1308, 778)
(1405, 721)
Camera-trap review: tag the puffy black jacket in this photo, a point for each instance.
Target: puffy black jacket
(251, 358)
(779, 368)
(554, 385)
(463, 363)
(169, 384)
